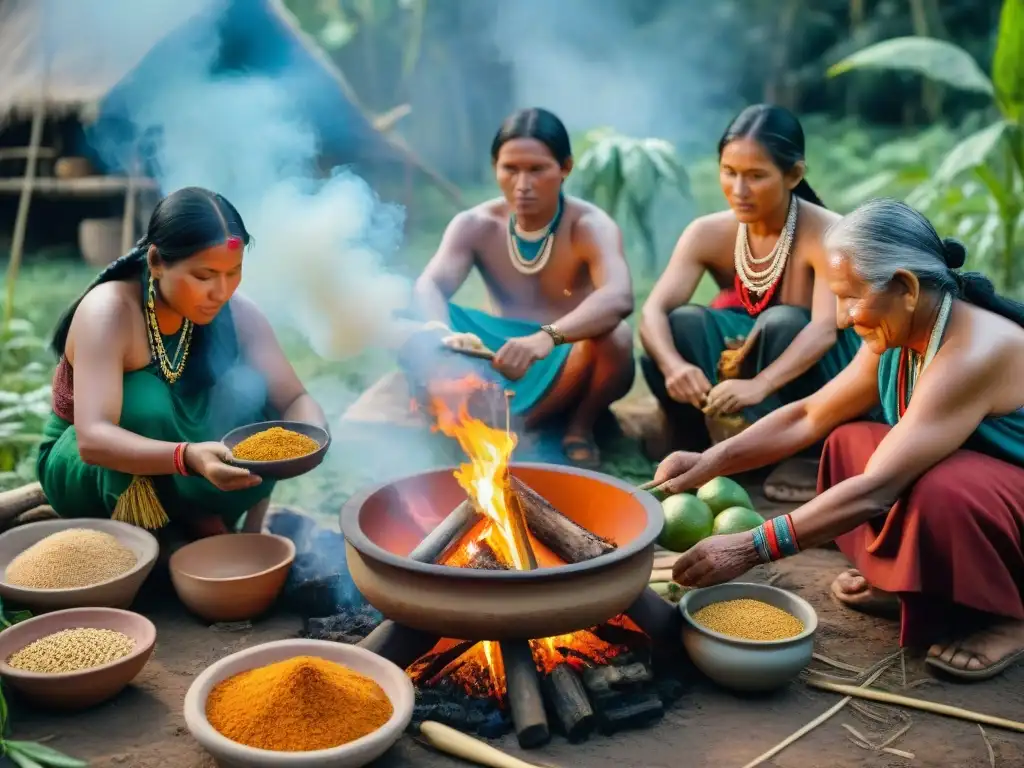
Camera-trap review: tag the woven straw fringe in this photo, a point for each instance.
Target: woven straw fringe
(139, 505)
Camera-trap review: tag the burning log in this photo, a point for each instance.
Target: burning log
(429, 668)
(569, 702)
(396, 642)
(571, 542)
(449, 533)
(523, 692)
(517, 525)
(484, 558)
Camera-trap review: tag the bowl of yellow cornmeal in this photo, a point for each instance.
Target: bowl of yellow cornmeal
(278, 449)
(748, 637)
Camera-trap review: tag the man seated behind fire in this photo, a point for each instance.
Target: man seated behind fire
(556, 274)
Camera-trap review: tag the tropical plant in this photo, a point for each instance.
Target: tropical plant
(623, 175)
(978, 189)
(24, 400)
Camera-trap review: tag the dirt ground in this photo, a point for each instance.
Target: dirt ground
(144, 728)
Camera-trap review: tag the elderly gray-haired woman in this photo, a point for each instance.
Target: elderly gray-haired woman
(929, 507)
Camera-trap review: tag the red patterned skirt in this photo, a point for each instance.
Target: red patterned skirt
(952, 547)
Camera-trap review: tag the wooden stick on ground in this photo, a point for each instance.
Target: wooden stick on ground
(525, 701)
(571, 542)
(898, 700)
(458, 744)
(881, 667)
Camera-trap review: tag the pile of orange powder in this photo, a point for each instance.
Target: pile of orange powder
(298, 705)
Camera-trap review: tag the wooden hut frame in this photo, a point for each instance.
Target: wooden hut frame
(74, 78)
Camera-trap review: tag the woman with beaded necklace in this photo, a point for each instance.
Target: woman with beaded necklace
(765, 254)
(158, 360)
(929, 507)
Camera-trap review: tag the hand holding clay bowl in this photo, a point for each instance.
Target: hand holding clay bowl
(278, 449)
(117, 643)
(57, 564)
(391, 679)
(718, 632)
(232, 577)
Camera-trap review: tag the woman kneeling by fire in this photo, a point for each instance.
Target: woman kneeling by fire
(929, 507)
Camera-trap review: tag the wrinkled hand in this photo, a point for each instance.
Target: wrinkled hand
(733, 395)
(686, 383)
(715, 560)
(211, 460)
(517, 355)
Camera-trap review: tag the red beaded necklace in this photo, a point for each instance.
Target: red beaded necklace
(754, 308)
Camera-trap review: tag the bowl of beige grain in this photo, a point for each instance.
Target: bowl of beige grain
(75, 658)
(58, 564)
(299, 704)
(748, 637)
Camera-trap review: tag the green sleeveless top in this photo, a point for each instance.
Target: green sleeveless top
(999, 436)
(217, 393)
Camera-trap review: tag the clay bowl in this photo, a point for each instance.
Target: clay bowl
(286, 468)
(384, 524)
(118, 592)
(88, 687)
(391, 678)
(748, 665)
(232, 577)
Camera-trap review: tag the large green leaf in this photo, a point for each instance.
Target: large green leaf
(972, 152)
(1008, 63)
(935, 59)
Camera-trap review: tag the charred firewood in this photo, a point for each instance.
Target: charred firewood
(429, 667)
(569, 703)
(632, 710)
(398, 643)
(525, 701)
(570, 541)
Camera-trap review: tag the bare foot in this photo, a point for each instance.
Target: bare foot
(982, 655)
(582, 450)
(852, 590)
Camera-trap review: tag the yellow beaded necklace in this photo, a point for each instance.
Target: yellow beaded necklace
(170, 368)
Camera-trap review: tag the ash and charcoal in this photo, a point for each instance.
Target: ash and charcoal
(623, 695)
(349, 625)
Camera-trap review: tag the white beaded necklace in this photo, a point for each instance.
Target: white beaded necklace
(515, 232)
(760, 281)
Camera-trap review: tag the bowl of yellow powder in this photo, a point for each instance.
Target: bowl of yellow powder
(748, 637)
(57, 564)
(299, 704)
(278, 449)
(75, 658)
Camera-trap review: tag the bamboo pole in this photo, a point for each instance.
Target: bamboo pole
(898, 700)
(24, 201)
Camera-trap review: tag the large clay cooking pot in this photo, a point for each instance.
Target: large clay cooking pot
(384, 524)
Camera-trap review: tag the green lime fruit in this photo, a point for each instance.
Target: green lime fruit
(736, 520)
(687, 521)
(722, 493)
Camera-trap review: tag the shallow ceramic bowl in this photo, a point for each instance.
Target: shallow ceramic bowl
(232, 577)
(390, 677)
(748, 665)
(118, 592)
(87, 687)
(286, 468)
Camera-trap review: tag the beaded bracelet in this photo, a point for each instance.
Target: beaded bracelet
(179, 459)
(775, 539)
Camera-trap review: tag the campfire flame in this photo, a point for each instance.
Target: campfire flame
(485, 478)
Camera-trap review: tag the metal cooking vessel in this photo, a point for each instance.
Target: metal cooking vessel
(382, 525)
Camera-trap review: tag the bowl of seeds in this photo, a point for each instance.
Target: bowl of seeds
(57, 564)
(748, 637)
(278, 449)
(75, 658)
